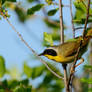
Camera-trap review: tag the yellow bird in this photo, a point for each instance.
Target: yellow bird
(65, 53)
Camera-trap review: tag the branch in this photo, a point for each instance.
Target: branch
(73, 29)
(62, 41)
(76, 57)
(61, 22)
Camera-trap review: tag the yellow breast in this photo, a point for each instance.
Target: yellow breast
(58, 58)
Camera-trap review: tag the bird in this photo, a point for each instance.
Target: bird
(65, 53)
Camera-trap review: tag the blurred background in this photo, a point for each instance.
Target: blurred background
(38, 23)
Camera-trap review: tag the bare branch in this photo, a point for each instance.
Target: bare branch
(61, 22)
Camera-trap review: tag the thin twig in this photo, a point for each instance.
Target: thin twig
(61, 22)
(76, 57)
(20, 36)
(73, 29)
(62, 41)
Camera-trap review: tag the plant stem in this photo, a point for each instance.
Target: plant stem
(62, 41)
(61, 22)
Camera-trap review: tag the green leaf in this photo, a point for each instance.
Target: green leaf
(80, 6)
(2, 90)
(11, 0)
(0, 18)
(37, 71)
(82, 21)
(30, 1)
(5, 83)
(48, 38)
(90, 90)
(2, 66)
(52, 12)
(21, 14)
(52, 23)
(22, 88)
(88, 66)
(79, 1)
(71, 40)
(14, 83)
(85, 80)
(27, 70)
(34, 9)
(80, 10)
(0, 3)
(3, 1)
(55, 35)
(49, 2)
(24, 82)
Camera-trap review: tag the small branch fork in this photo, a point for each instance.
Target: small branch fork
(76, 57)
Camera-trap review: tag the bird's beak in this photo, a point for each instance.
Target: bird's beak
(41, 54)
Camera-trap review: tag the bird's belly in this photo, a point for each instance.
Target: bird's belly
(61, 59)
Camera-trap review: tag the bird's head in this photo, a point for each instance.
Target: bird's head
(50, 53)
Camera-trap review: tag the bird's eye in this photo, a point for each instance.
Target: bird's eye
(50, 52)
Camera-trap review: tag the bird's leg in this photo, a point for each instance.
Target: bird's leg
(81, 61)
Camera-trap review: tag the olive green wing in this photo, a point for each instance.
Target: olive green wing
(68, 48)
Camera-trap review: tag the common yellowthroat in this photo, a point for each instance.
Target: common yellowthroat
(65, 53)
